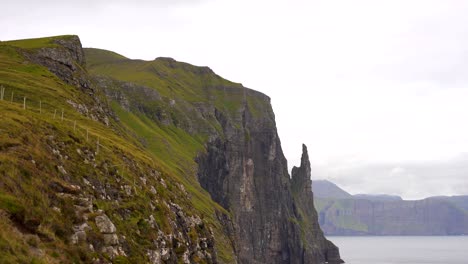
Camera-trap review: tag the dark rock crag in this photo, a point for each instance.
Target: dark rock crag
(302, 191)
(246, 172)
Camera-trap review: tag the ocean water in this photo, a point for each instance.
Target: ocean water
(403, 249)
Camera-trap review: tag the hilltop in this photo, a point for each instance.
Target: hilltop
(327, 189)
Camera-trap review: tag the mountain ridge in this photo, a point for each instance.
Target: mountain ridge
(390, 215)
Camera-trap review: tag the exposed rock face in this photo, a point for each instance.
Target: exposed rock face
(121, 94)
(302, 191)
(67, 61)
(105, 225)
(390, 215)
(63, 60)
(366, 217)
(246, 172)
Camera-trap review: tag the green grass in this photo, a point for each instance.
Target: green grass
(95, 57)
(10, 203)
(37, 42)
(28, 165)
(170, 78)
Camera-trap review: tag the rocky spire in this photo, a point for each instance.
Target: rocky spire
(301, 182)
(305, 157)
(301, 186)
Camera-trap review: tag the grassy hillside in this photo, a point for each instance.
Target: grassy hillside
(36, 43)
(62, 172)
(96, 57)
(175, 80)
(171, 126)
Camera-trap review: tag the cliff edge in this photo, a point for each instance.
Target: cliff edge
(131, 161)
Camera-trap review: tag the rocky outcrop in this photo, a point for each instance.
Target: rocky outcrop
(246, 172)
(301, 186)
(127, 93)
(65, 59)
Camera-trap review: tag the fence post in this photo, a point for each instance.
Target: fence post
(24, 102)
(55, 112)
(2, 92)
(87, 134)
(97, 146)
(62, 114)
(40, 107)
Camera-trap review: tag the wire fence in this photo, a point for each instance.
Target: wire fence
(42, 107)
(59, 114)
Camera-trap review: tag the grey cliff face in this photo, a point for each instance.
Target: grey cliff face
(66, 60)
(422, 217)
(365, 214)
(307, 215)
(246, 172)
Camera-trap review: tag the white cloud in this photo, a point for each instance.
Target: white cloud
(409, 179)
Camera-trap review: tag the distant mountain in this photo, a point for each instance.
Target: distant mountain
(327, 189)
(378, 197)
(365, 214)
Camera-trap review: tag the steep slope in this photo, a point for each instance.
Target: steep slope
(327, 189)
(76, 186)
(389, 215)
(106, 159)
(241, 163)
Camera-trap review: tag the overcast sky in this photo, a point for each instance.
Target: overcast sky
(376, 89)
